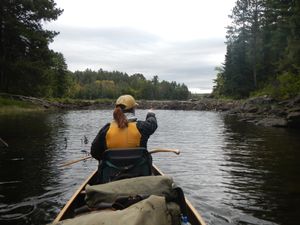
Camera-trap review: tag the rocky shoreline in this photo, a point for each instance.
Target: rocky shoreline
(263, 111)
(269, 112)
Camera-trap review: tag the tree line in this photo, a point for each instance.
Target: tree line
(90, 84)
(263, 50)
(29, 67)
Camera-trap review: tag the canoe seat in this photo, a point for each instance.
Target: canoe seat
(119, 164)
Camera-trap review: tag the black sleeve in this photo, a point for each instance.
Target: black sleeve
(148, 126)
(99, 143)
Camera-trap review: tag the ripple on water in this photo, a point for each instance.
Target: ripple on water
(34, 210)
(232, 172)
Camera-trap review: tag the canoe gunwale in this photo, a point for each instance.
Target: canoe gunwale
(74, 196)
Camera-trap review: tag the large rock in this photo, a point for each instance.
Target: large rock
(273, 122)
(294, 109)
(261, 100)
(293, 119)
(297, 100)
(278, 112)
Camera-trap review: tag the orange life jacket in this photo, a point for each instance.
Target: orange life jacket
(128, 137)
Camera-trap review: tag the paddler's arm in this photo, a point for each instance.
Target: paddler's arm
(99, 143)
(148, 126)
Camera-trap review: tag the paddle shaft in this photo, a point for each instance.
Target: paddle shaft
(176, 151)
(75, 161)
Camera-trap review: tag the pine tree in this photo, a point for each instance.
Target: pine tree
(24, 52)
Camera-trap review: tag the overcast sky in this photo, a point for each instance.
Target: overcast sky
(177, 40)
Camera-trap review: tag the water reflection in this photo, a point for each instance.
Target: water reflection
(233, 172)
(26, 167)
(263, 171)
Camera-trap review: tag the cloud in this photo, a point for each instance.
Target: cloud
(136, 51)
(176, 40)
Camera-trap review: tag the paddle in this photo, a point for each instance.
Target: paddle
(75, 161)
(176, 151)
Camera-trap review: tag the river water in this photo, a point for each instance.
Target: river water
(233, 172)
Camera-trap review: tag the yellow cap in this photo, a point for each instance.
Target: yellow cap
(127, 100)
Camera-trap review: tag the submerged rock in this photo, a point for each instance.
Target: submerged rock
(273, 122)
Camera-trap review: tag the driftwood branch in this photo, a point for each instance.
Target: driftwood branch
(3, 143)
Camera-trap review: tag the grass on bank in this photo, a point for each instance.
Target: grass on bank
(8, 105)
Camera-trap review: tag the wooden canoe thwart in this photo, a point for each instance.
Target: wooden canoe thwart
(77, 200)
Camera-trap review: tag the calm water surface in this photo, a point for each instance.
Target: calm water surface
(233, 172)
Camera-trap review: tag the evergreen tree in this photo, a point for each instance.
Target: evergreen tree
(291, 61)
(61, 80)
(263, 49)
(237, 72)
(24, 53)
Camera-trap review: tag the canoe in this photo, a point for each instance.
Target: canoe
(77, 200)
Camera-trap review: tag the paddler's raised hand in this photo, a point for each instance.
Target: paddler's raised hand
(151, 110)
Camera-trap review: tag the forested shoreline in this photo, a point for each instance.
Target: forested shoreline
(29, 67)
(263, 51)
(262, 58)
